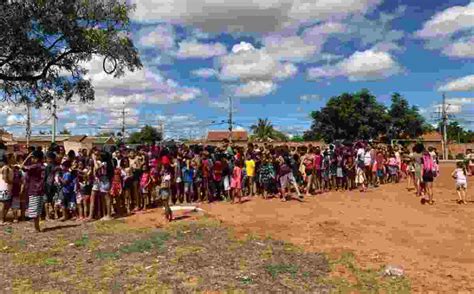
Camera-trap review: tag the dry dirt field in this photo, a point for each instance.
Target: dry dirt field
(337, 242)
(388, 225)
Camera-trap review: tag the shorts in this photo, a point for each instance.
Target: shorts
(144, 190)
(35, 205)
(188, 187)
(287, 179)
(428, 178)
(69, 201)
(339, 172)
(102, 186)
(360, 176)
(379, 173)
(461, 186)
(164, 194)
(226, 182)
(5, 196)
(16, 203)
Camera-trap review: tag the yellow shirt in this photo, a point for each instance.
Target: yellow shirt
(250, 168)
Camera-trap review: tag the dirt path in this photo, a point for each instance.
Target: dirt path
(388, 225)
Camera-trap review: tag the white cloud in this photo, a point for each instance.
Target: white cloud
(459, 85)
(448, 22)
(255, 88)
(246, 15)
(162, 37)
(291, 48)
(462, 48)
(70, 125)
(205, 73)
(365, 65)
(14, 119)
(253, 64)
(141, 86)
(460, 100)
(193, 49)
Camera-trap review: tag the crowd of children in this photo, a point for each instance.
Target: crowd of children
(94, 184)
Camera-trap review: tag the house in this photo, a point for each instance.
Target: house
(220, 136)
(432, 139)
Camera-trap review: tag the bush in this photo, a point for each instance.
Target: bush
(460, 156)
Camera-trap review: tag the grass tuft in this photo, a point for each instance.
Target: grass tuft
(277, 269)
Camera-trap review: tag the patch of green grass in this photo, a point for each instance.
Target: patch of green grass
(107, 255)
(51, 261)
(138, 246)
(277, 269)
(156, 241)
(8, 230)
(367, 280)
(83, 242)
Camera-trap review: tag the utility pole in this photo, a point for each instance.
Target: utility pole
(28, 123)
(445, 127)
(123, 121)
(55, 121)
(230, 119)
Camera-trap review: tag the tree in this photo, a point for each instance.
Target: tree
(65, 132)
(349, 117)
(297, 139)
(405, 121)
(457, 133)
(264, 130)
(147, 134)
(44, 46)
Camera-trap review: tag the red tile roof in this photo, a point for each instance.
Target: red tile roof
(224, 135)
(433, 136)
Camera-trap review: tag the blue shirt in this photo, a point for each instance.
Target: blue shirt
(188, 174)
(68, 183)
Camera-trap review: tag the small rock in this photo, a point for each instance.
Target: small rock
(394, 271)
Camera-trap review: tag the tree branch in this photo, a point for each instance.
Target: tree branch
(31, 78)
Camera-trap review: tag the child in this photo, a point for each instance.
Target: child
(68, 182)
(83, 190)
(165, 191)
(393, 169)
(116, 189)
(34, 186)
(16, 188)
(5, 188)
(325, 171)
(459, 174)
(197, 180)
(188, 176)
(267, 176)
(127, 189)
(236, 181)
(350, 172)
(145, 182)
(361, 170)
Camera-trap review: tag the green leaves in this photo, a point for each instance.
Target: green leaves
(359, 116)
(45, 45)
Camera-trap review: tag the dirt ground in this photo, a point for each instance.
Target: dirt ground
(388, 225)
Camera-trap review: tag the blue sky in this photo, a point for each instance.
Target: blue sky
(279, 59)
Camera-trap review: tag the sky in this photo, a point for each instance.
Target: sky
(276, 59)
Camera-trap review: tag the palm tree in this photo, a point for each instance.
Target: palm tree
(264, 130)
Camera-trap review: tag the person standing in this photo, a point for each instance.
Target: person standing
(35, 174)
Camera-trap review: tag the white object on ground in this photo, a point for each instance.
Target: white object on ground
(394, 271)
(189, 208)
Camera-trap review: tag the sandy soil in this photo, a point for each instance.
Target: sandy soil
(387, 225)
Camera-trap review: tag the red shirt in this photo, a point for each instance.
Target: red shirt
(165, 160)
(317, 161)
